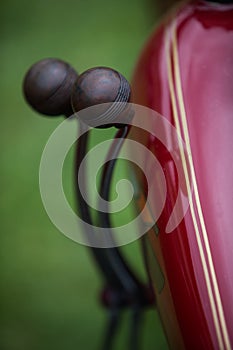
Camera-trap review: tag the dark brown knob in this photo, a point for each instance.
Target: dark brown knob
(48, 85)
(97, 86)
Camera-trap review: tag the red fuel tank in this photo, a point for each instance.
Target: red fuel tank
(185, 73)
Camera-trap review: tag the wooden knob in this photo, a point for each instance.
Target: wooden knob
(97, 86)
(47, 87)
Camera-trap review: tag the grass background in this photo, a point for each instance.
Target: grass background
(49, 284)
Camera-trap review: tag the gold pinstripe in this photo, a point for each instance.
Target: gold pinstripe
(196, 193)
(192, 210)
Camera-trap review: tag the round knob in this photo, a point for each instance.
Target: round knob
(47, 86)
(97, 86)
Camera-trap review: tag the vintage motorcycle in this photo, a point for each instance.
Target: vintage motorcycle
(185, 73)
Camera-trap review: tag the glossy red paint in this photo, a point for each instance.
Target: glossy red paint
(195, 300)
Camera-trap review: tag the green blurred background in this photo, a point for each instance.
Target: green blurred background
(49, 284)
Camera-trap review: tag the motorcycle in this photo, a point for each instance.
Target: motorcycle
(185, 74)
